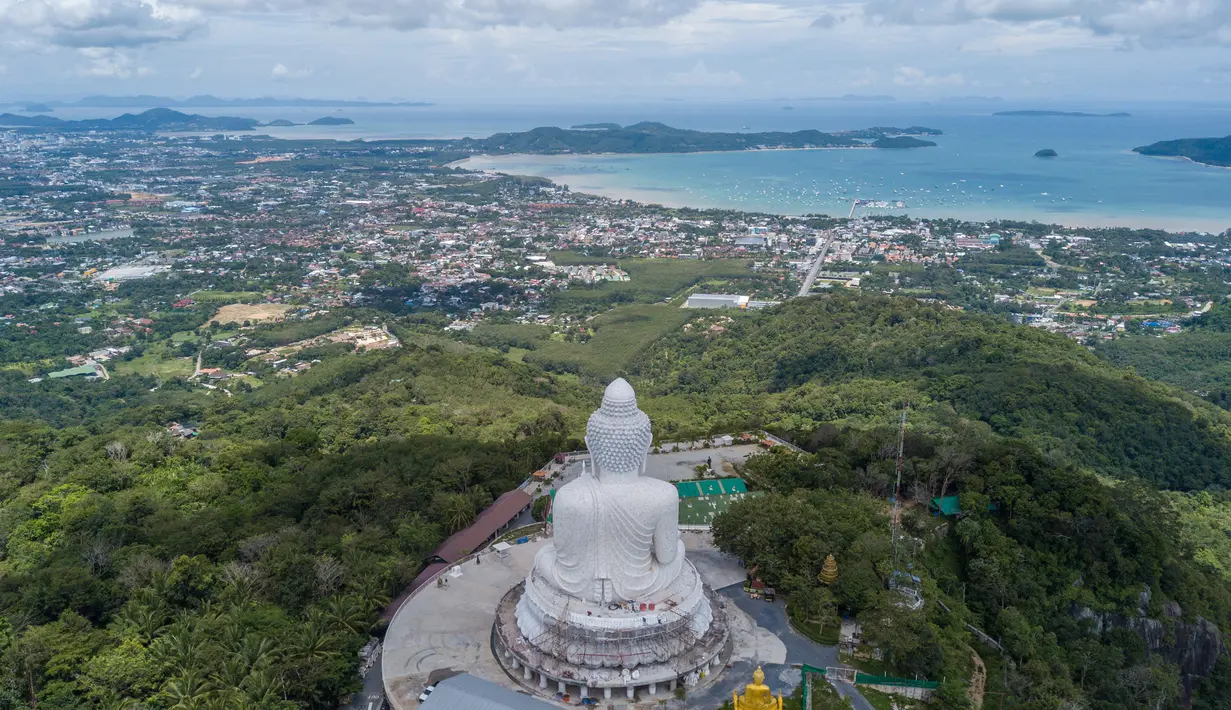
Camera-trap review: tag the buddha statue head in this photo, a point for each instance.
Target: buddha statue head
(618, 434)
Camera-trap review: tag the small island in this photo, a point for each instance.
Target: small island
(900, 142)
(1207, 151)
(1046, 153)
(331, 121)
(281, 123)
(1066, 114)
(37, 108)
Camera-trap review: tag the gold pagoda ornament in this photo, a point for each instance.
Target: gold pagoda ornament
(829, 571)
(757, 695)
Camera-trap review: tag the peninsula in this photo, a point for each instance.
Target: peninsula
(652, 137)
(1067, 114)
(1207, 151)
(155, 119)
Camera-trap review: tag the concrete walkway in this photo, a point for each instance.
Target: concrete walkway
(780, 676)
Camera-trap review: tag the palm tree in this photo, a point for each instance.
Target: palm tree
(255, 652)
(348, 612)
(264, 689)
(459, 511)
(313, 641)
(187, 692)
(230, 675)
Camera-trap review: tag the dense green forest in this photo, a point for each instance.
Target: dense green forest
(852, 358)
(1061, 553)
(244, 568)
(141, 567)
(1198, 359)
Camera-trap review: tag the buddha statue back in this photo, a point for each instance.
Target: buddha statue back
(616, 532)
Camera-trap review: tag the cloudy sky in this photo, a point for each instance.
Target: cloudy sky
(594, 49)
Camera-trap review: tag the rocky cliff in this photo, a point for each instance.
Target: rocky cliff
(1194, 646)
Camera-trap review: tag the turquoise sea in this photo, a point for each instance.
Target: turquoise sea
(984, 166)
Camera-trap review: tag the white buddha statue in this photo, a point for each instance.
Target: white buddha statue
(616, 533)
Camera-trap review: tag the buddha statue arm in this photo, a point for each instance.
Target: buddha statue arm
(667, 535)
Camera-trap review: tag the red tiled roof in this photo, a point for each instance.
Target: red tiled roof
(497, 515)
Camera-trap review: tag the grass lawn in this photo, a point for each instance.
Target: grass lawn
(826, 637)
(183, 336)
(151, 363)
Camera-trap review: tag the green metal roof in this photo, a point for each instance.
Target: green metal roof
(947, 506)
(82, 370)
(710, 487)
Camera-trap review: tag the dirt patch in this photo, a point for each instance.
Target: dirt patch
(240, 312)
(978, 680)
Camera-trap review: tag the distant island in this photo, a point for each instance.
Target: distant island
(1046, 153)
(207, 101)
(1069, 114)
(156, 119)
(37, 108)
(331, 121)
(1207, 151)
(652, 137)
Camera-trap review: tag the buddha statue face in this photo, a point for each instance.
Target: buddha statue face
(618, 434)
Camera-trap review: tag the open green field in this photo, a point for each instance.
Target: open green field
(155, 364)
(225, 296)
(619, 336)
(651, 280)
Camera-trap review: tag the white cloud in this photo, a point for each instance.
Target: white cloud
(700, 75)
(98, 23)
(914, 76)
(1150, 22)
(110, 63)
(414, 14)
(281, 72)
(195, 73)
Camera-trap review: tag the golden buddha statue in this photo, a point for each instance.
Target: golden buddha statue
(757, 695)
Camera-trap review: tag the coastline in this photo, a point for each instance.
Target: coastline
(679, 197)
(497, 156)
(1184, 159)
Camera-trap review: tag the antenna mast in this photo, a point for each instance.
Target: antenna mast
(896, 515)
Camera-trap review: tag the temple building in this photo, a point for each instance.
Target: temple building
(612, 603)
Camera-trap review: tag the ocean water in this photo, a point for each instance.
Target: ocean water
(984, 166)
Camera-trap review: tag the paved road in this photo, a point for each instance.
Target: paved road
(772, 616)
(806, 288)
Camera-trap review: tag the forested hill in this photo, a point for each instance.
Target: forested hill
(1197, 360)
(1210, 151)
(651, 137)
(846, 357)
(244, 568)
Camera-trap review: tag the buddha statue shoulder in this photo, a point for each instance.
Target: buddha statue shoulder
(615, 531)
